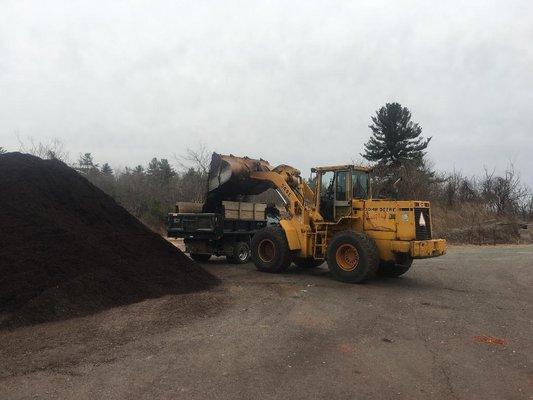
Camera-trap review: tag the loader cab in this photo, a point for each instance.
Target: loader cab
(337, 186)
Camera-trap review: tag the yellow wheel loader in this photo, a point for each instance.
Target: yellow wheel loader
(336, 221)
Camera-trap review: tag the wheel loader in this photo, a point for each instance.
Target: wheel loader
(336, 220)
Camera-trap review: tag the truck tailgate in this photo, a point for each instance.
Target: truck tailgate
(185, 224)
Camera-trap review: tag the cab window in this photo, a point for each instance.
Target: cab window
(341, 194)
(326, 194)
(326, 185)
(311, 182)
(360, 185)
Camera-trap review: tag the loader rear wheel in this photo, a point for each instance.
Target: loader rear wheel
(394, 269)
(307, 262)
(352, 257)
(200, 257)
(270, 250)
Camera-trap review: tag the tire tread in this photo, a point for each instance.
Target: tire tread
(369, 250)
(283, 261)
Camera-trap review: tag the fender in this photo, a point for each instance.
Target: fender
(291, 233)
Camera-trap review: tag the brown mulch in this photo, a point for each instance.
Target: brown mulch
(67, 249)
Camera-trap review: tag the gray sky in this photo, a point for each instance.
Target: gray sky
(293, 82)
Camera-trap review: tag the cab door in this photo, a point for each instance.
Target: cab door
(327, 195)
(342, 205)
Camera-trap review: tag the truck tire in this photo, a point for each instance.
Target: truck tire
(241, 253)
(352, 257)
(200, 257)
(307, 262)
(270, 250)
(394, 269)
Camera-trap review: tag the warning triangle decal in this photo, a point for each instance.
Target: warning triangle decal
(422, 221)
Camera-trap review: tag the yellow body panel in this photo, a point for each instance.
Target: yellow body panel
(428, 248)
(294, 238)
(390, 223)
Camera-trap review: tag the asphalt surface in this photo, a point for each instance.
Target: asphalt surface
(455, 327)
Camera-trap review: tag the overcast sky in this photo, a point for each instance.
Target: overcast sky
(292, 82)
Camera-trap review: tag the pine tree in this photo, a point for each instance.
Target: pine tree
(166, 170)
(395, 138)
(138, 170)
(86, 164)
(160, 169)
(107, 170)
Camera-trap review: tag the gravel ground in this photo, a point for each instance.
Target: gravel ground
(455, 327)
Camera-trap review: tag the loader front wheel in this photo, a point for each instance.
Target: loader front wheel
(270, 250)
(352, 257)
(394, 269)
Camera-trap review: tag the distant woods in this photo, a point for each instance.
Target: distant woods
(150, 191)
(396, 148)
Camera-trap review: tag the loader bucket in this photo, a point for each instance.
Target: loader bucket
(229, 177)
(230, 174)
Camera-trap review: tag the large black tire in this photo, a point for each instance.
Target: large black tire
(200, 257)
(394, 269)
(270, 250)
(241, 253)
(307, 262)
(352, 257)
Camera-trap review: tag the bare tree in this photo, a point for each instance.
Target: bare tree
(527, 211)
(194, 165)
(408, 180)
(458, 189)
(199, 159)
(451, 188)
(52, 149)
(504, 194)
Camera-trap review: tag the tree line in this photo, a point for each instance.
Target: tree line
(396, 149)
(150, 191)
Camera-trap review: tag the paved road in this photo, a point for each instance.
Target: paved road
(456, 327)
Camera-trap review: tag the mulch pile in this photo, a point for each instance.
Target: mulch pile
(67, 249)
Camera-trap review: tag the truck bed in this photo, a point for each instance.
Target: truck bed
(209, 225)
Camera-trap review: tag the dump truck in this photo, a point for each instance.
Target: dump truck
(224, 230)
(335, 221)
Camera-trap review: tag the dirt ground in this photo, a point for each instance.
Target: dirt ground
(455, 327)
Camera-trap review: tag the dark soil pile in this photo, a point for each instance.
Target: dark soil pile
(68, 249)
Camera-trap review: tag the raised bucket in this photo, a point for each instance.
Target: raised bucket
(229, 178)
